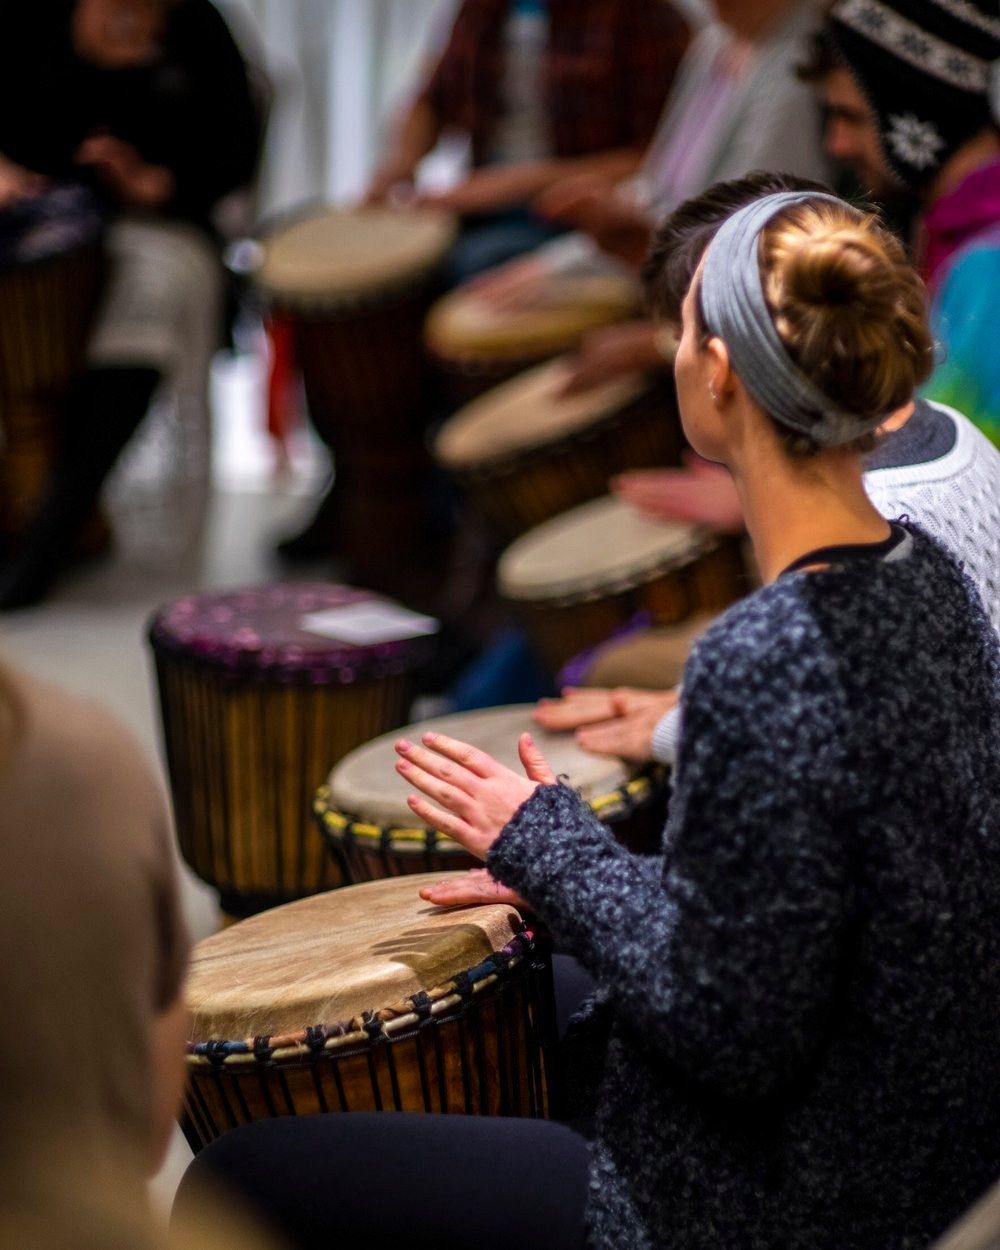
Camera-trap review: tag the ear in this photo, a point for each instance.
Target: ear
(720, 371)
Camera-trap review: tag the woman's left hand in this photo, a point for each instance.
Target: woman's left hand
(474, 797)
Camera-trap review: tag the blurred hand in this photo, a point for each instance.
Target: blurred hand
(125, 173)
(567, 198)
(474, 887)
(391, 181)
(484, 190)
(474, 796)
(583, 705)
(512, 286)
(18, 183)
(614, 352)
(700, 494)
(629, 735)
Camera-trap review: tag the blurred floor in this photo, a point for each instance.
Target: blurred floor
(90, 636)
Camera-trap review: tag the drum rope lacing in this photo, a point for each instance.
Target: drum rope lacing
(370, 1027)
(341, 827)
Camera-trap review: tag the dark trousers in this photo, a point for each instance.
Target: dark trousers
(381, 1179)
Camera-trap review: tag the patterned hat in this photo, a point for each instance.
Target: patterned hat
(925, 68)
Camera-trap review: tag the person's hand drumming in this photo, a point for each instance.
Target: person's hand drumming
(469, 795)
(123, 170)
(472, 888)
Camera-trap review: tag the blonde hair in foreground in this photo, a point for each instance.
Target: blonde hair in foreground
(849, 308)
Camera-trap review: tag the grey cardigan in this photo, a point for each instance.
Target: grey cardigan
(804, 989)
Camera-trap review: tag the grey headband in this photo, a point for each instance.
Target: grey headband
(734, 307)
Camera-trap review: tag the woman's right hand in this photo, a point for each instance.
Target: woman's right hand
(580, 706)
(18, 183)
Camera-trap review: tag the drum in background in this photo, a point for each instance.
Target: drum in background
(255, 706)
(364, 817)
(580, 577)
(477, 348)
(356, 285)
(51, 272)
(524, 452)
(367, 999)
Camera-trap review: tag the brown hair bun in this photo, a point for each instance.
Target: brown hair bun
(847, 305)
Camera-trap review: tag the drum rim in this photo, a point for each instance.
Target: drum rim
(368, 1028)
(488, 351)
(587, 590)
(348, 299)
(336, 664)
(604, 422)
(335, 823)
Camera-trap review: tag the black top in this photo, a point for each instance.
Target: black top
(189, 110)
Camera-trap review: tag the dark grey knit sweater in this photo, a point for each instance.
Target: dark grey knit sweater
(805, 987)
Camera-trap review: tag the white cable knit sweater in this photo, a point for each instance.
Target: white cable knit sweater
(956, 498)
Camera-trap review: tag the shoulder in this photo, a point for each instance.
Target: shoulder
(768, 657)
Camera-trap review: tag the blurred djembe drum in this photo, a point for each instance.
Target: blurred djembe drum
(51, 270)
(578, 579)
(355, 284)
(368, 999)
(256, 702)
(525, 452)
(371, 832)
(477, 347)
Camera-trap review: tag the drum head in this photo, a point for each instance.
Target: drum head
(529, 412)
(328, 958)
(595, 550)
(460, 326)
(341, 254)
(271, 630)
(366, 785)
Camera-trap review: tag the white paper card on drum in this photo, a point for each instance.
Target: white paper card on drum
(366, 624)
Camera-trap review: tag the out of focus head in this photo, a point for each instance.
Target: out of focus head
(681, 239)
(806, 310)
(118, 34)
(905, 86)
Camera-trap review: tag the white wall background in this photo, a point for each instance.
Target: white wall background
(337, 67)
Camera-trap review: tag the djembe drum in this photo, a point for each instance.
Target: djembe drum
(368, 999)
(524, 452)
(51, 271)
(355, 285)
(477, 347)
(370, 830)
(579, 578)
(255, 704)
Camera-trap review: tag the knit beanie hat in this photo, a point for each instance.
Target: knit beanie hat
(925, 67)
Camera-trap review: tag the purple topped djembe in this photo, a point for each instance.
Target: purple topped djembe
(256, 706)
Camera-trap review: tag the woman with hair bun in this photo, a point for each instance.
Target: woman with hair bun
(801, 990)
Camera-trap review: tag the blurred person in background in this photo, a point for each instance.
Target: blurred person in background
(906, 91)
(147, 103)
(96, 953)
(735, 106)
(542, 89)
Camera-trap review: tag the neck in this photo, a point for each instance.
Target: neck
(979, 151)
(793, 507)
(759, 19)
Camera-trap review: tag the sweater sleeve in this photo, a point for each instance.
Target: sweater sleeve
(723, 954)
